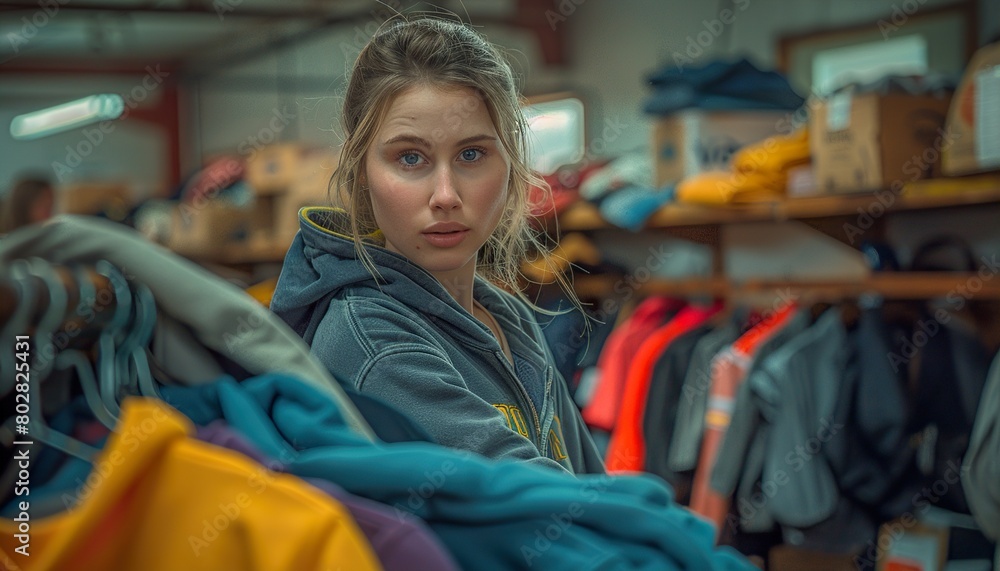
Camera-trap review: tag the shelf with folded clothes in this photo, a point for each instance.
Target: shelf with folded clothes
(890, 285)
(917, 195)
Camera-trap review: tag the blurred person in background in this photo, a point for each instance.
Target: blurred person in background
(30, 200)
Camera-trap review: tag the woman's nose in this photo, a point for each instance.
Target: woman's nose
(445, 196)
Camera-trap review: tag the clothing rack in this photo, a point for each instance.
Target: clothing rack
(77, 281)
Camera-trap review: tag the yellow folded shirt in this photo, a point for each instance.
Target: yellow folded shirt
(158, 500)
(774, 154)
(721, 188)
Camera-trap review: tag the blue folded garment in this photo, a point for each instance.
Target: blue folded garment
(631, 207)
(719, 85)
(491, 515)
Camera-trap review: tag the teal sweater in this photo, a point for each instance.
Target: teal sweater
(492, 516)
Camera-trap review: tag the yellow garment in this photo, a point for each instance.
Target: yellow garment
(158, 500)
(760, 173)
(720, 188)
(263, 291)
(573, 248)
(774, 154)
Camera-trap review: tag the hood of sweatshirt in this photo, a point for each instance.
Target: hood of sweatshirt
(322, 262)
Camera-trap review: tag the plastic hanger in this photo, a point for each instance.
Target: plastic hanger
(107, 343)
(78, 360)
(124, 382)
(47, 325)
(24, 270)
(144, 323)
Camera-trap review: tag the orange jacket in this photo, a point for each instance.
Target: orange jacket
(627, 449)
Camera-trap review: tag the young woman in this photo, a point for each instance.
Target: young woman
(394, 294)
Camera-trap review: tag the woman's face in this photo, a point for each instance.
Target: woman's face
(438, 177)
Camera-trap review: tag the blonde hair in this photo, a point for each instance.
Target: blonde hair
(436, 52)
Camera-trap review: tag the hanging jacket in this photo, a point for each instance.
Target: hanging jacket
(874, 461)
(627, 450)
(800, 385)
(981, 467)
(740, 459)
(953, 368)
(159, 500)
(728, 372)
(405, 340)
(686, 440)
(663, 404)
(616, 358)
(491, 515)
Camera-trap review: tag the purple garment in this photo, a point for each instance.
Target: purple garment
(402, 542)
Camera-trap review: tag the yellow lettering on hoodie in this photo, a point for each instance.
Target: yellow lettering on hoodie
(556, 440)
(515, 419)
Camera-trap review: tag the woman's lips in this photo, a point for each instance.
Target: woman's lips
(445, 239)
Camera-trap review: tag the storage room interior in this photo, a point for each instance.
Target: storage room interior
(771, 159)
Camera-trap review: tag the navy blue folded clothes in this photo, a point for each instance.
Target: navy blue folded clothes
(491, 515)
(719, 85)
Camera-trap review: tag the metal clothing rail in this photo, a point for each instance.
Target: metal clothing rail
(890, 285)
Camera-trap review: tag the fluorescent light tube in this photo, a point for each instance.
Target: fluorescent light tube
(90, 109)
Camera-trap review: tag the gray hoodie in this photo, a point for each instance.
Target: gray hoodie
(404, 339)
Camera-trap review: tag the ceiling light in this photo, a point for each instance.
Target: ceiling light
(85, 111)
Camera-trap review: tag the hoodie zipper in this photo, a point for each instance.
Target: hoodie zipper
(524, 395)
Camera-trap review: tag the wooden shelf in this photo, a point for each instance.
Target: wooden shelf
(899, 285)
(919, 195)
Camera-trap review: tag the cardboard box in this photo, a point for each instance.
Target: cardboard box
(695, 141)
(311, 188)
(866, 142)
(210, 229)
(276, 213)
(315, 173)
(974, 117)
(791, 558)
(274, 168)
(906, 544)
(113, 199)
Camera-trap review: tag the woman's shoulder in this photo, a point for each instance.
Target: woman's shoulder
(376, 322)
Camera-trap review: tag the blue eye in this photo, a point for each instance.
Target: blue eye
(471, 155)
(411, 159)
